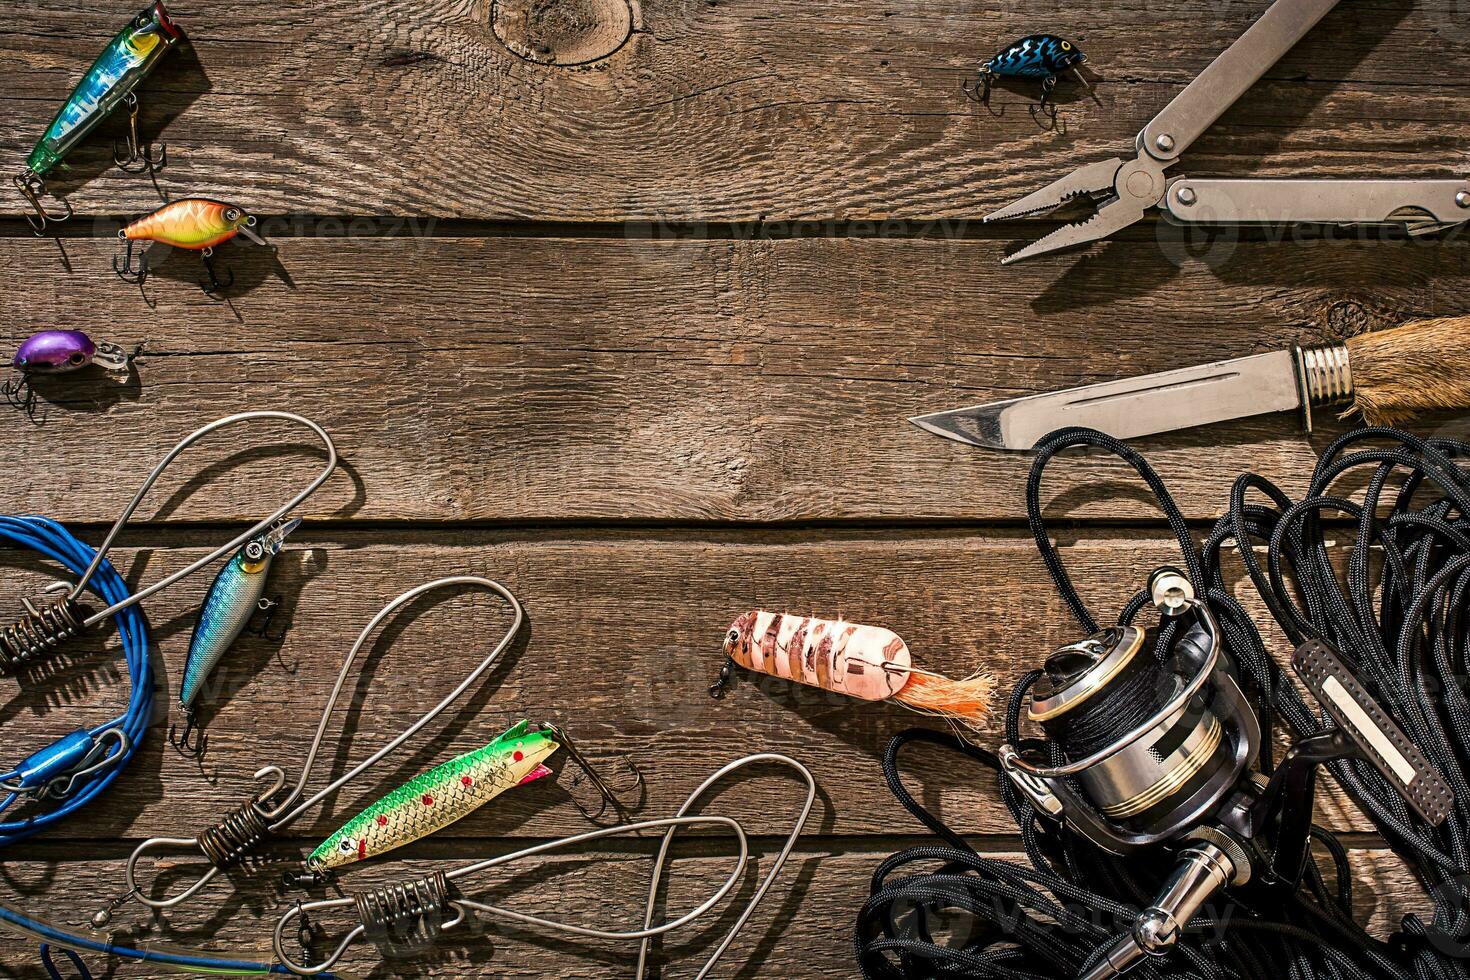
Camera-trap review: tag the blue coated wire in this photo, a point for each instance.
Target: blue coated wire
(51, 540)
(50, 964)
(186, 959)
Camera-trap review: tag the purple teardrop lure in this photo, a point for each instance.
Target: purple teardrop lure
(56, 351)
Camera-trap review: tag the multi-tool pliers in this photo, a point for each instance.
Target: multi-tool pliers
(1126, 189)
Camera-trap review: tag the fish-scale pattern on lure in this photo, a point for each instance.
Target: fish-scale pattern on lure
(232, 599)
(126, 60)
(1037, 56)
(438, 798)
(194, 223)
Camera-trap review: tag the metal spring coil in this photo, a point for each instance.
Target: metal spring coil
(231, 840)
(407, 913)
(37, 633)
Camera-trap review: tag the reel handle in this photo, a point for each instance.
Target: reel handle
(1204, 870)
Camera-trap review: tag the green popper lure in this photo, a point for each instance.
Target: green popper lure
(112, 80)
(235, 595)
(443, 795)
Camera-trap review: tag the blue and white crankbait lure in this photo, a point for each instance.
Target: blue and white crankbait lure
(1039, 56)
(235, 595)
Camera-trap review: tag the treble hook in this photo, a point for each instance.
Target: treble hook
(21, 394)
(214, 286)
(138, 159)
(31, 187)
(609, 798)
(722, 683)
(126, 272)
(268, 606)
(1045, 106)
(195, 750)
(230, 841)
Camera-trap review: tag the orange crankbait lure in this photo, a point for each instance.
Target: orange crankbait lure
(194, 223)
(866, 662)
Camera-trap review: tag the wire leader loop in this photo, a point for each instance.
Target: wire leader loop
(273, 809)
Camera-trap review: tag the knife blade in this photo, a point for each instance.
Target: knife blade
(1388, 375)
(1131, 407)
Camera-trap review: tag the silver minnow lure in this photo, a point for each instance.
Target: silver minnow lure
(234, 596)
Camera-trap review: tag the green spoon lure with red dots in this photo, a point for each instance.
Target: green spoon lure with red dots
(438, 798)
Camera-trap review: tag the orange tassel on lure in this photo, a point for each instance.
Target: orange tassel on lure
(866, 662)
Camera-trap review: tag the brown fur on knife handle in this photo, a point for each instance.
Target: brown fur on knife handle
(1403, 372)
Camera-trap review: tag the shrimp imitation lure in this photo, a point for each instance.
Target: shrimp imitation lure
(228, 843)
(411, 913)
(112, 80)
(236, 594)
(60, 352)
(76, 768)
(865, 662)
(1039, 56)
(197, 224)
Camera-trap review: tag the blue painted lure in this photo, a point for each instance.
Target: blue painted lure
(1039, 56)
(236, 593)
(110, 82)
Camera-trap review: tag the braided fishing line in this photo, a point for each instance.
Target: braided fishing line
(124, 733)
(1399, 609)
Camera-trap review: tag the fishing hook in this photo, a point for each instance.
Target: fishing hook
(605, 791)
(229, 842)
(195, 749)
(724, 681)
(267, 608)
(40, 631)
(32, 187)
(1046, 107)
(416, 909)
(20, 393)
(215, 286)
(126, 272)
(139, 158)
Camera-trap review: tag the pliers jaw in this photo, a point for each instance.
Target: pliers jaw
(1124, 191)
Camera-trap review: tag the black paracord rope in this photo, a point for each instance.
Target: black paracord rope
(1398, 611)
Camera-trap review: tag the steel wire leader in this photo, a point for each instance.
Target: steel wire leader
(76, 768)
(410, 913)
(227, 843)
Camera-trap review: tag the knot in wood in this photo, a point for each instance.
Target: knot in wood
(563, 33)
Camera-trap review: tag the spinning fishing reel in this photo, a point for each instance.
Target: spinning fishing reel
(1151, 743)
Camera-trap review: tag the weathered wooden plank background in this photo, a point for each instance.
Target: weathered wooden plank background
(624, 304)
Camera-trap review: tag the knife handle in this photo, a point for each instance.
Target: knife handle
(1397, 374)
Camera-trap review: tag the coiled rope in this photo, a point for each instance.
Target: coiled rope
(1399, 611)
(123, 733)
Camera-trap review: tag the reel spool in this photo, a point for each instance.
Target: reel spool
(1152, 747)
(1158, 745)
